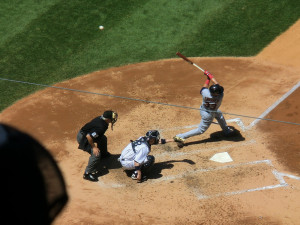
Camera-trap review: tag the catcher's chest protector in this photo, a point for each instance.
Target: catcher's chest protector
(139, 142)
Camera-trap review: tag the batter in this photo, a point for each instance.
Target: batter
(211, 101)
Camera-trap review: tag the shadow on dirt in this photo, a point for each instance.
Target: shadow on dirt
(107, 164)
(156, 169)
(235, 136)
(154, 172)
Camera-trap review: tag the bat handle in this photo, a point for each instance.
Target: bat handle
(198, 67)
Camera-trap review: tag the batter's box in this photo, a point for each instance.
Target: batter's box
(235, 179)
(231, 179)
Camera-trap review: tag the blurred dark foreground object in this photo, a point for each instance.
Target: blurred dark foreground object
(32, 187)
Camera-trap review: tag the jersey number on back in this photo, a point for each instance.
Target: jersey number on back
(210, 105)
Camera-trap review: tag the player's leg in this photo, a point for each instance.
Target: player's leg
(102, 145)
(222, 122)
(91, 168)
(83, 142)
(129, 168)
(145, 168)
(127, 164)
(206, 120)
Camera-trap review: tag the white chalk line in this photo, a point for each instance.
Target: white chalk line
(289, 176)
(200, 196)
(102, 184)
(201, 170)
(273, 106)
(278, 176)
(238, 121)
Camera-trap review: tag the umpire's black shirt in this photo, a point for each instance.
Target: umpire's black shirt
(95, 128)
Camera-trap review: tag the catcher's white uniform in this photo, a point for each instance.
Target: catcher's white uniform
(136, 151)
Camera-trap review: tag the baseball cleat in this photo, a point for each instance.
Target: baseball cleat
(90, 177)
(229, 132)
(134, 175)
(178, 139)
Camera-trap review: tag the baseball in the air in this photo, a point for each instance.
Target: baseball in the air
(101, 27)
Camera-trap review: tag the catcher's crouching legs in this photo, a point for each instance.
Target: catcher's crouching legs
(145, 169)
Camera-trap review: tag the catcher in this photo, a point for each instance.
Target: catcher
(135, 156)
(212, 99)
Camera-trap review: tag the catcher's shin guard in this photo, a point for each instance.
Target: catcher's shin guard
(150, 161)
(148, 164)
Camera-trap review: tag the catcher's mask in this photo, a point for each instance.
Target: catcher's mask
(153, 134)
(216, 89)
(113, 116)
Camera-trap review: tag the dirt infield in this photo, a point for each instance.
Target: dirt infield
(261, 185)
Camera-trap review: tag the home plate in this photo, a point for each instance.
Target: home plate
(222, 157)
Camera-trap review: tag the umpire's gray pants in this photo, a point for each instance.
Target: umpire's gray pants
(93, 159)
(206, 120)
(93, 163)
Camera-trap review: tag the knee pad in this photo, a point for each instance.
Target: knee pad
(149, 162)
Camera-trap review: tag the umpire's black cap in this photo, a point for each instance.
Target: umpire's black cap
(112, 115)
(108, 114)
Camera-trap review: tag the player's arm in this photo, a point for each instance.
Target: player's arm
(138, 170)
(210, 77)
(95, 149)
(164, 141)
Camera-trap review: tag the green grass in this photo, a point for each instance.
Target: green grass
(50, 41)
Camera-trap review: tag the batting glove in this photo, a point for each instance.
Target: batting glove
(208, 74)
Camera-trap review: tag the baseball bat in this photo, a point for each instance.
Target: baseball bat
(189, 61)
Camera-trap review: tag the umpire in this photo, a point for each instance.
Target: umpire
(91, 139)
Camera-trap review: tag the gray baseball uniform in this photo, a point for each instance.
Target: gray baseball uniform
(208, 111)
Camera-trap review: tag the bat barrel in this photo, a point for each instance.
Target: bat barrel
(189, 61)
